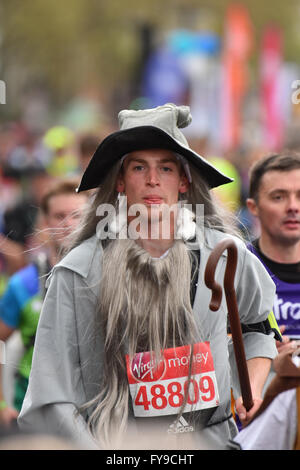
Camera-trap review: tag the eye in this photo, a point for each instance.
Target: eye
(138, 168)
(277, 197)
(166, 169)
(60, 216)
(75, 215)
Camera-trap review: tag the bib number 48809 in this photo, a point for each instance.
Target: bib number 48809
(159, 396)
(184, 376)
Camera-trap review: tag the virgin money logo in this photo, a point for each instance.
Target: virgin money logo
(144, 368)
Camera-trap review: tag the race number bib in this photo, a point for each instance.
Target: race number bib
(159, 389)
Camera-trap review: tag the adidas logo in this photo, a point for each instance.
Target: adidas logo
(180, 426)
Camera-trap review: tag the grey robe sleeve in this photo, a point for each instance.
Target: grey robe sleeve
(56, 387)
(255, 293)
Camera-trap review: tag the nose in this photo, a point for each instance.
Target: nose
(69, 221)
(293, 204)
(152, 177)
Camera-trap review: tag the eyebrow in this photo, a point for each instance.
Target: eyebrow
(278, 190)
(162, 160)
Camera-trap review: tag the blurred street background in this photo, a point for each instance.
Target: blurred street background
(67, 68)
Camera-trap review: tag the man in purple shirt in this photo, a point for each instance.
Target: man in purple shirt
(275, 200)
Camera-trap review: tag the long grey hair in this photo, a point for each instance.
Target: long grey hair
(144, 304)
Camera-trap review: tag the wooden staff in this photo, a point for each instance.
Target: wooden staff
(233, 314)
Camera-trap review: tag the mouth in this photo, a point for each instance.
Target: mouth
(153, 200)
(292, 223)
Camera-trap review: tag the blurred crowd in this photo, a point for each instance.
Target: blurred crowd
(29, 165)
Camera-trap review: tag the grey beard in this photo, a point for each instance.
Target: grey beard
(145, 302)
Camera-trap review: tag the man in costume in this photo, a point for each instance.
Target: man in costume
(126, 337)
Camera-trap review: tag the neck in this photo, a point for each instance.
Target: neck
(156, 237)
(279, 252)
(155, 248)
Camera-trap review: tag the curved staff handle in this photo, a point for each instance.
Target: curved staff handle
(233, 314)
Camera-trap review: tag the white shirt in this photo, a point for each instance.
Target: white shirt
(276, 427)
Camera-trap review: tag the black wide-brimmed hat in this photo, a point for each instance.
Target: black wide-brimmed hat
(148, 129)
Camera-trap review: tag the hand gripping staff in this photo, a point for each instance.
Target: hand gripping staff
(233, 314)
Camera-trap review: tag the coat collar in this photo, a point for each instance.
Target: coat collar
(81, 258)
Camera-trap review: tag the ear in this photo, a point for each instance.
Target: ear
(252, 206)
(184, 184)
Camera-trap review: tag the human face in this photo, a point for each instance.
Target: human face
(152, 177)
(64, 212)
(278, 206)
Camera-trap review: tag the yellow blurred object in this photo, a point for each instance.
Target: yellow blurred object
(63, 165)
(228, 194)
(58, 137)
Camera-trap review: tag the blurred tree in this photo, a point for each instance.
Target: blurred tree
(67, 45)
